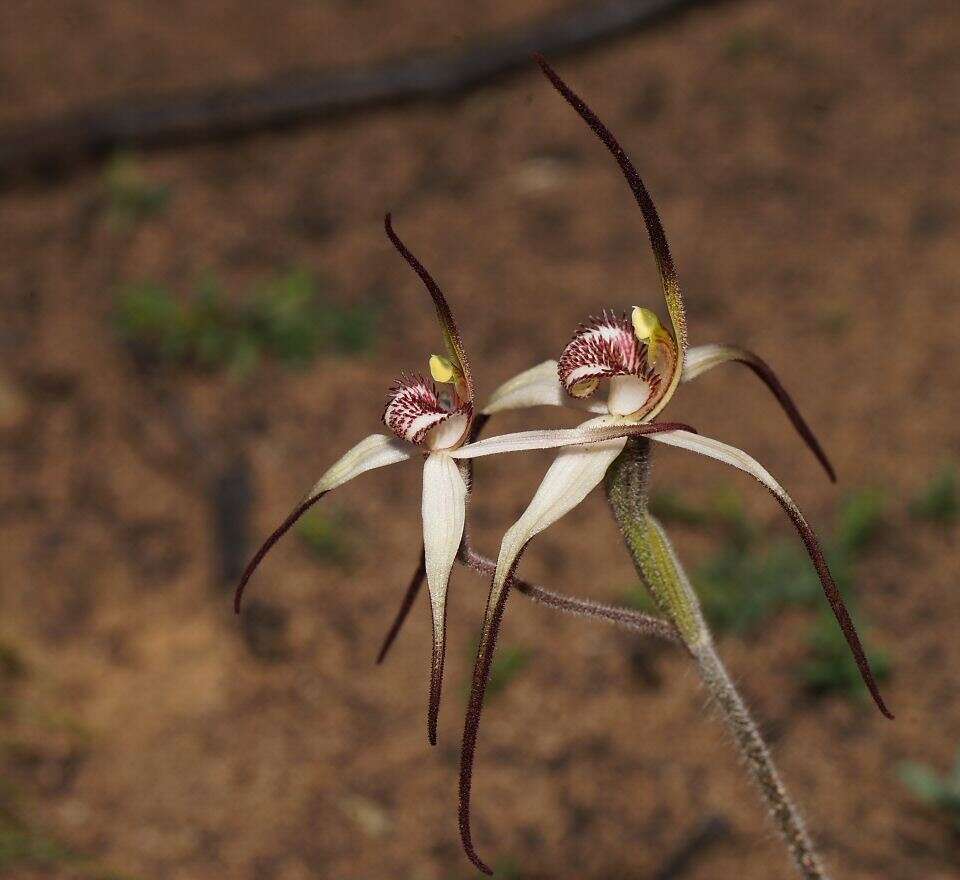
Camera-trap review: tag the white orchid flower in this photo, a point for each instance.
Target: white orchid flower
(642, 364)
(434, 419)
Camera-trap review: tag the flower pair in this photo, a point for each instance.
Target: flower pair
(642, 363)
(435, 419)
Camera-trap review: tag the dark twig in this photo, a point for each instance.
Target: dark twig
(173, 120)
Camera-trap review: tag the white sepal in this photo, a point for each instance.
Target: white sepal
(739, 459)
(571, 477)
(374, 451)
(444, 511)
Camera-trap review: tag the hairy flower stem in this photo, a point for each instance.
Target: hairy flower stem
(658, 566)
(627, 618)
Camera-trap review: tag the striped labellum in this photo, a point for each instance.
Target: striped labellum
(609, 347)
(418, 413)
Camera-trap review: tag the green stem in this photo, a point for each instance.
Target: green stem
(658, 566)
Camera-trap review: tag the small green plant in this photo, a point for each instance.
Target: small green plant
(942, 793)
(24, 847)
(284, 318)
(328, 535)
(939, 500)
(723, 511)
(859, 522)
(510, 661)
(672, 507)
(131, 195)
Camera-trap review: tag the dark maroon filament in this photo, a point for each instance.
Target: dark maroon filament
(439, 300)
(835, 599)
(413, 590)
(658, 238)
(762, 369)
(280, 531)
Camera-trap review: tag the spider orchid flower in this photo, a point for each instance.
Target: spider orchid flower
(435, 419)
(642, 364)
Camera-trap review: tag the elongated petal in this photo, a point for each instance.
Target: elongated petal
(596, 430)
(444, 510)
(702, 358)
(658, 239)
(737, 458)
(374, 451)
(538, 386)
(571, 477)
(448, 326)
(409, 597)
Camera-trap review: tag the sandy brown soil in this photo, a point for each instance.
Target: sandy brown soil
(804, 158)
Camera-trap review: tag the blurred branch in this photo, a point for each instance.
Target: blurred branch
(697, 839)
(58, 145)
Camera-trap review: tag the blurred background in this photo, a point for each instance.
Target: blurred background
(193, 326)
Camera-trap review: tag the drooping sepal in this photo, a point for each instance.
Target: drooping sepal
(739, 459)
(375, 451)
(444, 512)
(702, 358)
(416, 412)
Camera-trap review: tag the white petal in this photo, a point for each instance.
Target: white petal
(374, 451)
(723, 452)
(538, 386)
(522, 441)
(444, 510)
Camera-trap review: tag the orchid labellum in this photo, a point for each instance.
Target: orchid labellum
(642, 364)
(434, 419)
